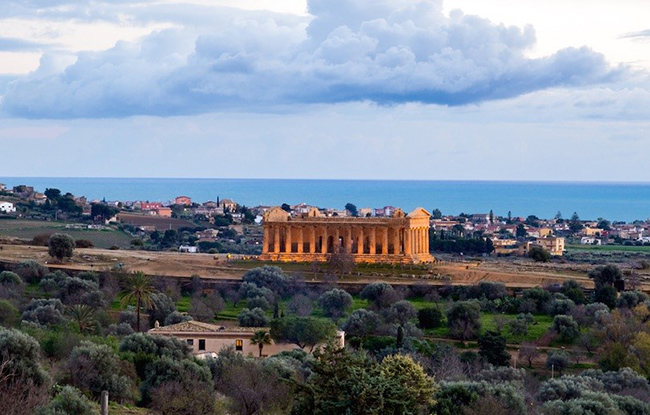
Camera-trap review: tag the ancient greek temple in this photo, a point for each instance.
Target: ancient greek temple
(314, 237)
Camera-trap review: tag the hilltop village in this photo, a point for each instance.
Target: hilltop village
(225, 226)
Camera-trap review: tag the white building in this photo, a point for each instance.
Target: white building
(590, 240)
(188, 249)
(209, 339)
(7, 207)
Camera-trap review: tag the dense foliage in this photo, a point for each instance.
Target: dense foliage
(69, 331)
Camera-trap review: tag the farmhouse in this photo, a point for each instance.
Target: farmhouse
(183, 201)
(188, 249)
(148, 205)
(554, 245)
(163, 212)
(205, 338)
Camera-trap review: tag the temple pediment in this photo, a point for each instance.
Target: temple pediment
(419, 213)
(276, 214)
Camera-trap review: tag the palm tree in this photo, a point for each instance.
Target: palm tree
(260, 338)
(83, 315)
(137, 286)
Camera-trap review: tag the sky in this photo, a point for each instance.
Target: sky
(346, 89)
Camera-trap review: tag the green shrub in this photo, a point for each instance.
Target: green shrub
(96, 367)
(430, 318)
(9, 315)
(69, 401)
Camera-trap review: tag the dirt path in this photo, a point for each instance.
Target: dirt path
(174, 264)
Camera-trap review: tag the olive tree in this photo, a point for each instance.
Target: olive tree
(302, 331)
(61, 246)
(160, 308)
(361, 323)
(335, 302)
(557, 360)
(463, 319)
(96, 367)
(268, 277)
(69, 401)
(253, 318)
(430, 318)
(380, 294)
(566, 328)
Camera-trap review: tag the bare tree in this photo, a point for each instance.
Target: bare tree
(633, 281)
(587, 342)
(183, 398)
(341, 262)
(301, 305)
(233, 295)
(576, 354)
(19, 395)
(446, 367)
(528, 352)
(199, 310)
(500, 322)
(253, 388)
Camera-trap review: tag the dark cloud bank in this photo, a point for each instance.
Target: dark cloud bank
(388, 52)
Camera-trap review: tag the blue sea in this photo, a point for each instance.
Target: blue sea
(613, 201)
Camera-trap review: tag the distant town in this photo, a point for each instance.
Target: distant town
(156, 306)
(225, 226)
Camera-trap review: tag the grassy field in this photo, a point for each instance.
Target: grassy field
(488, 322)
(608, 248)
(27, 229)
(535, 331)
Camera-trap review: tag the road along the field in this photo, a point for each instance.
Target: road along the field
(229, 267)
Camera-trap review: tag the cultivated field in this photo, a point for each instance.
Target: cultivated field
(27, 229)
(608, 248)
(161, 224)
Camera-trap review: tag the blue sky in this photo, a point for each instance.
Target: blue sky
(388, 89)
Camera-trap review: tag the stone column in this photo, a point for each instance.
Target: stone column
(373, 240)
(362, 242)
(336, 243)
(312, 239)
(407, 241)
(384, 242)
(287, 240)
(396, 241)
(301, 239)
(347, 243)
(416, 239)
(426, 240)
(276, 239)
(415, 236)
(265, 240)
(323, 247)
(423, 247)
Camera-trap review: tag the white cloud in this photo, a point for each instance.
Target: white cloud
(388, 52)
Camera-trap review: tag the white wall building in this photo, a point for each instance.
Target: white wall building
(7, 207)
(188, 249)
(590, 240)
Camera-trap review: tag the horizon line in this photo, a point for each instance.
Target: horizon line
(537, 181)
